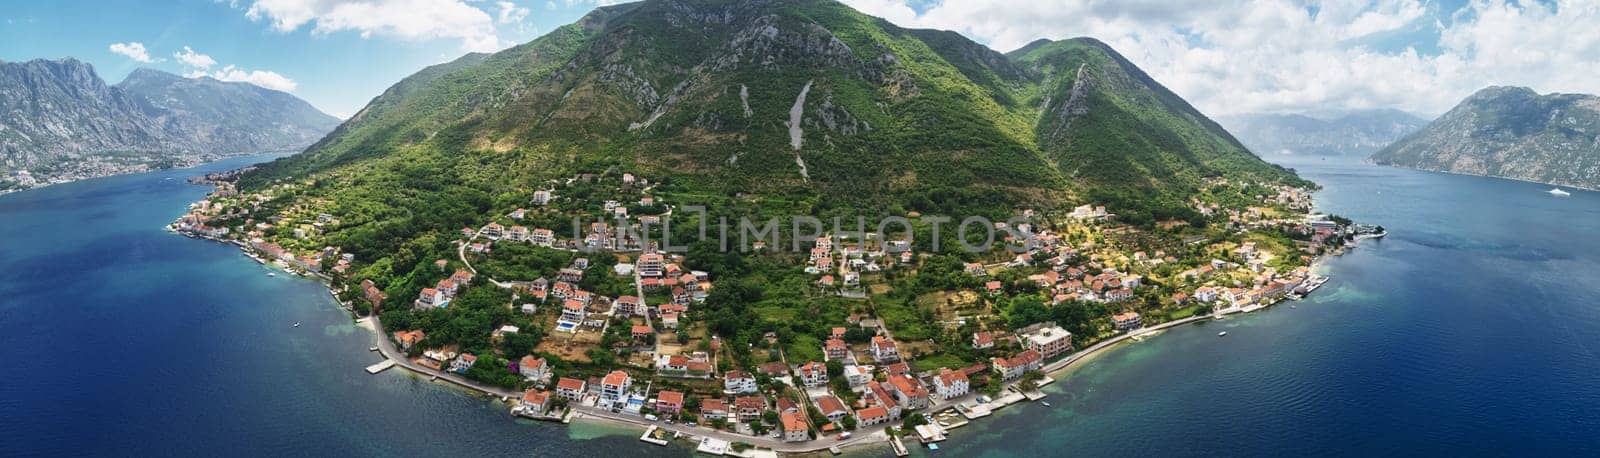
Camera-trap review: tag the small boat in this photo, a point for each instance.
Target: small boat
(372, 348)
(272, 274)
(1223, 333)
(1046, 403)
(1558, 192)
(297, 324)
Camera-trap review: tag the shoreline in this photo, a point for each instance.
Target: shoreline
(1447, 172)
(759, 445)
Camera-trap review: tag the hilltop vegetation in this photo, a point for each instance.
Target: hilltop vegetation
(700, 93)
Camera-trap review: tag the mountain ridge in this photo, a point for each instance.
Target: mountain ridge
(59, 115)
(1509, 132)
(1358, 132)
(702, 91)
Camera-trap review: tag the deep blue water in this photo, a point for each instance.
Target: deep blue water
(1474, 329)
(123, 339)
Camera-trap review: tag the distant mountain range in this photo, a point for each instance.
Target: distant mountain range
(58, 115)
(1510, 132)
(1353, 133)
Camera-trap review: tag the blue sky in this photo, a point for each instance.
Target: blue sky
(1225, 56)
(338, 70)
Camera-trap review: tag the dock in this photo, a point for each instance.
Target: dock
(380, 367)
(899, 447)
(649, 436)
(715, 447)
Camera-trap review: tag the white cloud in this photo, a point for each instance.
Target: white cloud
(402, 19)
(193, 59)
(510, 13)
(1239, 56)
(263, 78)
(133, 50)
(199, 66)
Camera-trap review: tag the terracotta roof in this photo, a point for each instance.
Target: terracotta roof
(570, 384)
(949, 377)
(713, 405)
(792, 421)
(535, 396)
(530, 361)
(750, 402)
(873, 412)
(670, 397)
(615, 378)
(830, 404)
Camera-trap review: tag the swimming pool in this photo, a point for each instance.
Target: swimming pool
(566, 326)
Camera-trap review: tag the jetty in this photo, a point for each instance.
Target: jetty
(380, 367)
(899, 447)
(649, 436)
(711, 446)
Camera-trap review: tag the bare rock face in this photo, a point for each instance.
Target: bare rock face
(1510, 132)
(53, 112)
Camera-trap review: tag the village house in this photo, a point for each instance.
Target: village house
(1049, 340)
(794, 427)
(835, 349)
(431, 297)
(463, 363)
(1126, 321)
(884, 349)
(714, 409)
(951, 384)
(982, 340)
(871, 416)
(908, 391)
(630, 306)
(536, 401)
(408, 338)
(1014, 367)
(857, 375)
(641, 332)
(614, 387)
(976, 269)
(542, 237)
(669, 402)
(832, 408)
(650, 265)
(541, 197)
(536, 369)
(517, 234)
(749, 408)
(738, 382)
(880, 396)
(813, 374)
(492, 231)
(571, 389)
(572, 310)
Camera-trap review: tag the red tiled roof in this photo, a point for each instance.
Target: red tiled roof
(571, 384)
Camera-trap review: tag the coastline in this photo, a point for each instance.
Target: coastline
(866, 439)
(869, 436)
(1447, 172)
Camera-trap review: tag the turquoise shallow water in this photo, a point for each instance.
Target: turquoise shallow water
(1472, 330)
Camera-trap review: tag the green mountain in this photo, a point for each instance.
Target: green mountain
(1510, 132)
(227, 117)
(801, 104)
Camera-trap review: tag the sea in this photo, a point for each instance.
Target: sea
(1473, 329)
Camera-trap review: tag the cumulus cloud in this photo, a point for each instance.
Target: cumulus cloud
(402, 19)
(193, 59)
(1241, 56)
(510, 13)
(199, 65)
(263, 78)
(133, 50)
